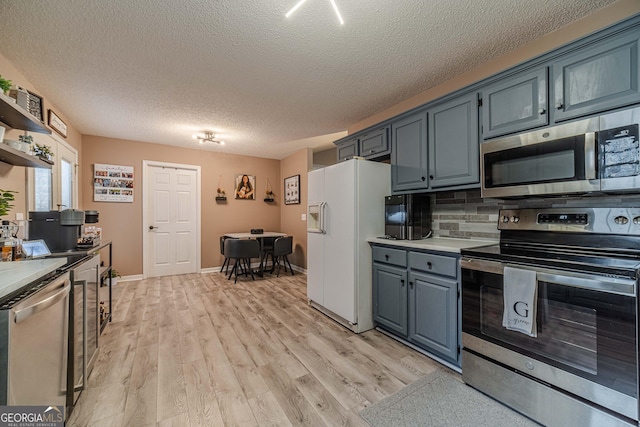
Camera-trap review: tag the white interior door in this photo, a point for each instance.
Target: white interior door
(171, 228)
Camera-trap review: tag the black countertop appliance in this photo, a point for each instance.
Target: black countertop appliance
(59, 229)
(407, 216)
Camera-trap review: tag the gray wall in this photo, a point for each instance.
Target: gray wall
(325, 158)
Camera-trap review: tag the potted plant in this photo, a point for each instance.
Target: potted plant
(269, 193)
(44, 152)
(25, 143)
(6, 196)
(114, 275)
(5, 85)
(222, 196)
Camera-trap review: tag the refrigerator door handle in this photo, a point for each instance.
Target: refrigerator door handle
(323, 226)
(316, 218)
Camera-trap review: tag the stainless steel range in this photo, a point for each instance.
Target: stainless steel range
(568, 351)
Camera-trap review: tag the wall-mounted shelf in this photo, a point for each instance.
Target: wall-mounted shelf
(18, 158)
(19, 118)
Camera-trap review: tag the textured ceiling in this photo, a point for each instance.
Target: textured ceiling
(158, 71)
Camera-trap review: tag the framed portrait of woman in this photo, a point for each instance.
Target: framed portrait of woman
(245, 187)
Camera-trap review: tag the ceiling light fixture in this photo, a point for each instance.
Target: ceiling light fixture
(207, 137)
(294, 8)
(301, 2)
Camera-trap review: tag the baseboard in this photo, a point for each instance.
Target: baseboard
(131, 278)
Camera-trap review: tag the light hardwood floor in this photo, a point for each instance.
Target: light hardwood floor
(198, 349)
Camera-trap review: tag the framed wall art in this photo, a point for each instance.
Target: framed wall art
(292, 190)
(57, 124)
(112, 183)
(245, 187)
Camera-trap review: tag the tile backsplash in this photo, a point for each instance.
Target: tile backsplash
(465, 215)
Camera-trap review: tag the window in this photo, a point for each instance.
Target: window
(55, 188)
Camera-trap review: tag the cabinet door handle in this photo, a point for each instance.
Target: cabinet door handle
(386, 257)
(423, 178)
(429, 265)
(402, 283)
(411, 284)
(559, 106)
(431, 177)
(542, 111)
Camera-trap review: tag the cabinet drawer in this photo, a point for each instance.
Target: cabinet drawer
(434, 264)
(390, 256)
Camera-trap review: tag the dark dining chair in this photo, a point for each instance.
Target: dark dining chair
(282, 247)
(226, 259)
(241, 250)
(267, 248)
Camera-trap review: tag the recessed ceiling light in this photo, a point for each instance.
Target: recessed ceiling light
(301, 2)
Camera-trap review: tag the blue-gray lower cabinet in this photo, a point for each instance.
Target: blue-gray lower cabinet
(390, 298)
(416, 297)
(433, 313)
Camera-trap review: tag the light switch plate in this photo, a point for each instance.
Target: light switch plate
(19, 216)
(303, 217)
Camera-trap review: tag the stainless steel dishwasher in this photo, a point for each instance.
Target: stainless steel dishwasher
(34, 331)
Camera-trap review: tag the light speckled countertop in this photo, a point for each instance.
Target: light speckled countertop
(444, 244)
(16, 274)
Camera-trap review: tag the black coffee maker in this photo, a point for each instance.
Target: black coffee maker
(59, 229)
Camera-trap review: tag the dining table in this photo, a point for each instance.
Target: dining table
(260, 238)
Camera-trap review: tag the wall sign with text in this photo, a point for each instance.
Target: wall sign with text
(112, 183)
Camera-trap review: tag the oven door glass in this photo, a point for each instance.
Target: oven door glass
(589, 333)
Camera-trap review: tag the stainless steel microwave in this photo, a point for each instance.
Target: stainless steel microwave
(599, 154)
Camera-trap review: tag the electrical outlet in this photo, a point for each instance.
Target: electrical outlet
(303, 217)
(19, 216)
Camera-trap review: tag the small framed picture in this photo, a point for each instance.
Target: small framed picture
(292, 190)
(57, 124)
(245, 187)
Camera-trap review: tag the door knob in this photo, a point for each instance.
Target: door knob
(151, 227)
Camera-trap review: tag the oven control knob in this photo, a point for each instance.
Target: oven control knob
(636, 220)
(529, 365)
(621, 220)
(505, 219)
(515, 219)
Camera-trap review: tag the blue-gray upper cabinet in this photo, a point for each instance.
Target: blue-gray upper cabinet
(453, 143)
(348, 149)
(375, 143)
(598, 77)
(515, 103)
(409, 162)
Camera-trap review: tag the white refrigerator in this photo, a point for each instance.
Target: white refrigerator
(346, 207)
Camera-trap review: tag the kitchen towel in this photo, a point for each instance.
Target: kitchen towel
(520, 295)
